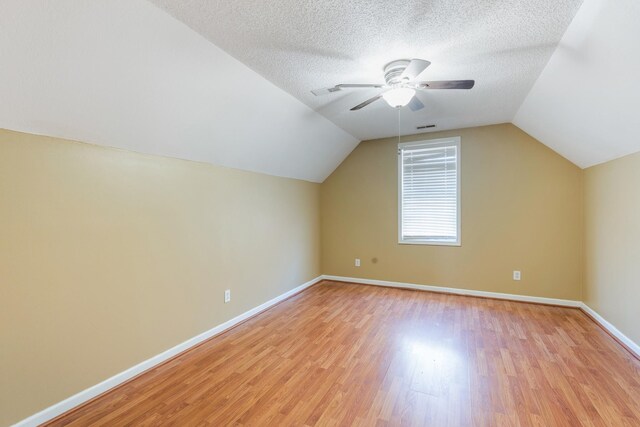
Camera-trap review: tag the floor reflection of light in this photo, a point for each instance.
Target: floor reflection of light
(428, 354)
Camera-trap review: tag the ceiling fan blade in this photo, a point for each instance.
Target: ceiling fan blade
(367, 102)
(336, 88)
(414, 69)
(447, 84)
(359, 85)
(325, 91)
(415, 104)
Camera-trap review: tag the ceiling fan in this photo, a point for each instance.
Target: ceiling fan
(401, 85)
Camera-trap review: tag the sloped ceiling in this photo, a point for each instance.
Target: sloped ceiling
(302, 45)
(124, 73)
(127, 74)
(585, 104)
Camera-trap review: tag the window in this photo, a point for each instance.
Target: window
(429, 189)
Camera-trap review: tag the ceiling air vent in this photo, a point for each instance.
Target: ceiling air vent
(425, 127)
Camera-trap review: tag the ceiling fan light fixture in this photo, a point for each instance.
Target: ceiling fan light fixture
(398, 97)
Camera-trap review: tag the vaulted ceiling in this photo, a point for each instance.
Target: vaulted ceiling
(125, 74)
(228, 82)
(586, 103)
(302, 45)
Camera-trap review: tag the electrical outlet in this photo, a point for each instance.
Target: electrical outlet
(357, 262)
(227, 295)
(516, 275)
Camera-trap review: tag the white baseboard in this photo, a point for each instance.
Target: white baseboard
(632, 346)
(77, 399)
(458, 291)
(85, 395)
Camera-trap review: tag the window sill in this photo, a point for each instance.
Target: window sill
(429, 243)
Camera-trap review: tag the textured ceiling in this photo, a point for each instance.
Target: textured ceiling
(585, 103)
(124, 73)
(302, 45)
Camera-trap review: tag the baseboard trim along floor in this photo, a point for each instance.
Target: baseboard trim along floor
(622, 339)
(457, 291)
(92, 392)
(118, 379)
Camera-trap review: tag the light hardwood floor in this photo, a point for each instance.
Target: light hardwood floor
(344, 354)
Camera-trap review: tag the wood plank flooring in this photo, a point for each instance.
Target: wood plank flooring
(344, 354)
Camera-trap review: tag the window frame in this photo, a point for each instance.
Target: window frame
(440, 142)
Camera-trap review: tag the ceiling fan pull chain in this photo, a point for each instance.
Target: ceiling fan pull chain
(398, 108)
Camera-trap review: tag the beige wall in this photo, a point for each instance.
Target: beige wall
(521, 210)
(109, 257)
(612, 243)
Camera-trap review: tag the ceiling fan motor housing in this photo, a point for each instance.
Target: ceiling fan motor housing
(393, 70)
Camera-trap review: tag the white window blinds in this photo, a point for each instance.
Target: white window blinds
(429, 190)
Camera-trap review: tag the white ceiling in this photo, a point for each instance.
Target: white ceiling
(302, 45)
(123, 73)
(585, 105)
